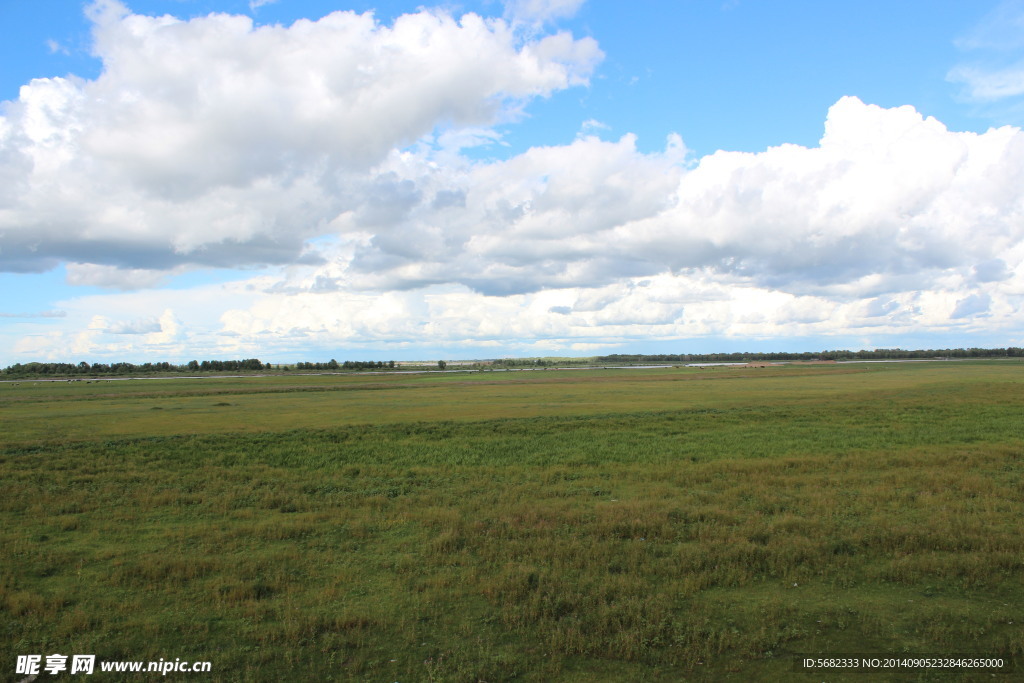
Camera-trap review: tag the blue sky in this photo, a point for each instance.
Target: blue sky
(703, 69)
(296, 180)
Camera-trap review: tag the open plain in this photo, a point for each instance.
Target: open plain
(656, 524)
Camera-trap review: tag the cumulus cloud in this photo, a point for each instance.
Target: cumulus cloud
(664, 307)
(975, 304)
(145, 326)
(879, 307)
(130, 329)
(214, 142)
(334, 150)
(249, 318)
(541, 219)
(887, 193)
(889, 201)
(114, 277)
(892, 223)
(993, 270)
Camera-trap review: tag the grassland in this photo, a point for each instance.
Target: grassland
(666, 524)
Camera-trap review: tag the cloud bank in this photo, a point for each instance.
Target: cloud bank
(888, 201)
(335, 151)
(213, 142)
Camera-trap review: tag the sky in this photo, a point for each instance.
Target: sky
(300, 180)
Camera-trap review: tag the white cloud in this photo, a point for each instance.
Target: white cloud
(889, 201)
(990, 84)
(892, 225)
(158, 331)
(975, 304)
(214, 142)
(995, 71)
(1001, 29)
(589, 127)
(993, 270)
(537, 12)
(187, 328)
(333, 151)
(41, 314)
(248, 318)
(56, 48)
(145, 326)
(114, 277)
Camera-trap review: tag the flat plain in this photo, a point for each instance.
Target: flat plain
(655, 524)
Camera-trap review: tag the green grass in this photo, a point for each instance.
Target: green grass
(610, 525)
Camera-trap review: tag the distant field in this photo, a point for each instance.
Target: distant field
(545, 525)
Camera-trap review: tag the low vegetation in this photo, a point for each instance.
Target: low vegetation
(250, 365)
(619, 525)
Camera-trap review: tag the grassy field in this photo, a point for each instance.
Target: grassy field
(699, 524)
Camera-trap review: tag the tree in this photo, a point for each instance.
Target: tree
(441, 365)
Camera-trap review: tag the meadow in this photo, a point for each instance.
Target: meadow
(636, 525)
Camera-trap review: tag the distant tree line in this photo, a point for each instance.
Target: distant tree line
(83, 368)
(347, 365)
(251, 364)
(877, 354)
(535, 362)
